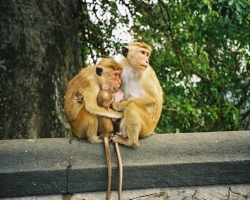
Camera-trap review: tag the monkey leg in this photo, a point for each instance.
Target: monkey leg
(105, 126)
(137, 122)
(85, 126)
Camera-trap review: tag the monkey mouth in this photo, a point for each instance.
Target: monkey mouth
(145, 66)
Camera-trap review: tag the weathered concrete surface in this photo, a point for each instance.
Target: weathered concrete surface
(68, 165)
(31, 167)
(217, 192)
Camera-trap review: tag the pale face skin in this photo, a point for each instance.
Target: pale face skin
(112, 81)
(139, 57)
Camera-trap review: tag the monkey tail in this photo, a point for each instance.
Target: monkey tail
(109, 165)
(119, 159)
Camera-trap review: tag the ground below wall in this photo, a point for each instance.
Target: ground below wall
(217, 192)
(59, 167)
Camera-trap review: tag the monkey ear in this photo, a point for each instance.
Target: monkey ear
(98, 71)
(125, 51)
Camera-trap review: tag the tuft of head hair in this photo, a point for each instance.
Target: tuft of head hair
(110, 63)
(141, 44)
(104, 98)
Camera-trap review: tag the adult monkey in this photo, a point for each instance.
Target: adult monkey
(80, 106)
(143, 92)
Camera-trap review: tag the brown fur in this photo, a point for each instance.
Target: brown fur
(140, 44)
(143, 108)
(83, 115)
(104, 99)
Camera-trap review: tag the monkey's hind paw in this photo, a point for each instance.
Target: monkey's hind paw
(119, 139)
(121, 135)
(126, 141)
(96, 139)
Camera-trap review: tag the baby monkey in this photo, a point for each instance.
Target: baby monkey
(105, 128)
(105, 98)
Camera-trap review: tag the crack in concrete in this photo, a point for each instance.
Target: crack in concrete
(230, 190)
(228, 194)
(161, 194)
(195, 192)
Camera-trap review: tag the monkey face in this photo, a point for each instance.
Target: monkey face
(111, 81)
(115, 78)
(138, 57)
(109, 72)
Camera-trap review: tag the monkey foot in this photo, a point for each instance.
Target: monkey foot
(119, 134)
(97, 139)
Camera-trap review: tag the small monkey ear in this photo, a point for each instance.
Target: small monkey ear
(98, 71)
(125, 51)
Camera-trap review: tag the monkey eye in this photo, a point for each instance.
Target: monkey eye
(145, 53)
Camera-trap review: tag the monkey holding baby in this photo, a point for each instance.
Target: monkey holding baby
(89, 120)
(141, 87)
(140, 110)
(80, 105)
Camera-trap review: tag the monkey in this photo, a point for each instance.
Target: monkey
(80, 105)
(105, 99)
(143, 92)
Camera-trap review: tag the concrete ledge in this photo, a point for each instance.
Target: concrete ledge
(68, 165)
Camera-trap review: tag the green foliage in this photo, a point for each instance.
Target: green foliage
(99, 21)
(202, 58)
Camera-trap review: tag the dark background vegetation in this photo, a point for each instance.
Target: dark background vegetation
(201, 56)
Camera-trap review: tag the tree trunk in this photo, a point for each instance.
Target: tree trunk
(38, 55)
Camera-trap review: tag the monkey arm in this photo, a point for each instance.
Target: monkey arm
(141, 101)
(105, 112)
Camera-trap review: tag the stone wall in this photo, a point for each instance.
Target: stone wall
(192, 164)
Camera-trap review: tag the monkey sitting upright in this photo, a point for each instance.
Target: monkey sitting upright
(80, 105)
(142, 109)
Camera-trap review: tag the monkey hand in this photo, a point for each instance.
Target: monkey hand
(79, 98)
(119, 96)
(116, 106)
